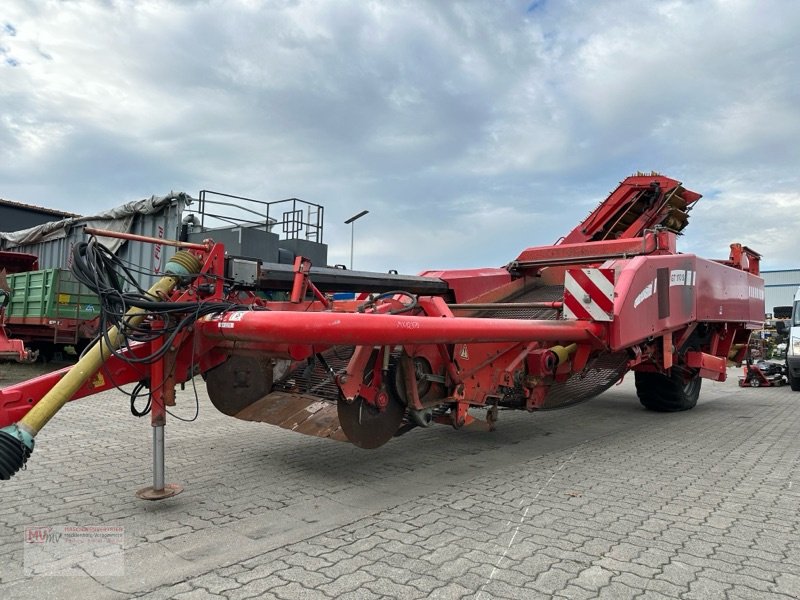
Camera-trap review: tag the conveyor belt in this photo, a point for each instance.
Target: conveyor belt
(601, 372)
(277, 277)
(305, 400)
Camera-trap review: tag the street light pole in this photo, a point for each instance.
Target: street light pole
(351, 221)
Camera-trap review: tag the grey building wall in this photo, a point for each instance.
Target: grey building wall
(780, 287)
(14, 216)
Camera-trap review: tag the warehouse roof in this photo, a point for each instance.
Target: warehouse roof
(38, 209)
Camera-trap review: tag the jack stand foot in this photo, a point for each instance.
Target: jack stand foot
(150, 493)
(159, 490)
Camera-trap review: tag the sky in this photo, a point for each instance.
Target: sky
(470, 130)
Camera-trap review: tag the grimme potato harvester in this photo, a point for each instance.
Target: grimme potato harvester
(557, 325)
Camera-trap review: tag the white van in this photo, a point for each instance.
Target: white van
(793, 345)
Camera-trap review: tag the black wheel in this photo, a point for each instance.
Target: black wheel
(81, 345)
(794, 382)
(47, 351)
(667, 393)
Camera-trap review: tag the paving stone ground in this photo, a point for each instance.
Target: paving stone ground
(603, 500)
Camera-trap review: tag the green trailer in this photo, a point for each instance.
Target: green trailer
(49, 309)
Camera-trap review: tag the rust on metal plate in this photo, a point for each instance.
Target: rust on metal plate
(297, 412)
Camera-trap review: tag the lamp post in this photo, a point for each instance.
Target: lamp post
(351, 222)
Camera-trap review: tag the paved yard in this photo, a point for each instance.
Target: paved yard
(604, 500)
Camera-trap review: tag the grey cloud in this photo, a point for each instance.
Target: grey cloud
(470, 130)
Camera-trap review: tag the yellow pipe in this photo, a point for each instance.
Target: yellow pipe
(563, 352)
(87, 366)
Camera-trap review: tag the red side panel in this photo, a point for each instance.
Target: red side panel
(726, 294)
(656, 294)
(471, 283)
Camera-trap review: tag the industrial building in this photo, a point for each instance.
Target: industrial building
(780, 287)
(16, 215)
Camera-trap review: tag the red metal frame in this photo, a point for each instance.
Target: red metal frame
(14, 262)
(626, 194)
(667, 310)
(12, 349)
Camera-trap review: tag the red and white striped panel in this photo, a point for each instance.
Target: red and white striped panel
(589, 294)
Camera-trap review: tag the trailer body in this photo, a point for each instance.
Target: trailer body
(49, 307)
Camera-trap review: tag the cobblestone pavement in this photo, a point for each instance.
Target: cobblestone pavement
(604, 500)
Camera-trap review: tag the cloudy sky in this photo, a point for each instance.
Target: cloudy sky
(469, 130)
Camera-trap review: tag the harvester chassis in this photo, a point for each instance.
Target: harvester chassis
(557, 325)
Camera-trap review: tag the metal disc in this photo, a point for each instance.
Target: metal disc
(150, 493)
(366, 426)
(238, 382)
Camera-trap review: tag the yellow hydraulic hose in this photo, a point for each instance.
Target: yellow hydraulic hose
(87, 366)
(51, 403)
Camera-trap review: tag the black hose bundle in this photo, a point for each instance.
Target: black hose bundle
(372, 302)
(105, 274)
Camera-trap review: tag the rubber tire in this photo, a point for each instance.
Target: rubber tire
(663, 393)
(794, 382)
(47, 351)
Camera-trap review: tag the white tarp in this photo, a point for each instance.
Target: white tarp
(119, 219)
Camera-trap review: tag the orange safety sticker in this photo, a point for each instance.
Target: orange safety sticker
(98, 380)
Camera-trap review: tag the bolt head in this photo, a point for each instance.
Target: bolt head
(382, 400)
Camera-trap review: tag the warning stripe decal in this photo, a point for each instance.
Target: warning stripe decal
(573, 309)
(599, 288)
(589, 294)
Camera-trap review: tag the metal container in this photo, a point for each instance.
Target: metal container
(158, 217)
(50, 294)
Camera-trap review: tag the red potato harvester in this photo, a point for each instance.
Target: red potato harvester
(556, 326)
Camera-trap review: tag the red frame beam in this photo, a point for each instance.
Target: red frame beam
(663, 242)
(145, 238)
(381, 329)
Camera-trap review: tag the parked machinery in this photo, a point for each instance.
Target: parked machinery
(762, 374)
(757, 371)
(556, 326)
(10, 263)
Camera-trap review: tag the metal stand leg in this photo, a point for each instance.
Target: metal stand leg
(158, 457)
(159, 489)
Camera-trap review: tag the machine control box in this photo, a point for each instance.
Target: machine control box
(243, 271)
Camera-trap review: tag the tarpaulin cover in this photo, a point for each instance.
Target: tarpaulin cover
(118, 219)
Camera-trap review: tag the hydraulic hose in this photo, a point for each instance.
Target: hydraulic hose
(16, 441)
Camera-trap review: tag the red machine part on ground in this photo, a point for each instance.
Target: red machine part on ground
(556, 326)
(13, 262)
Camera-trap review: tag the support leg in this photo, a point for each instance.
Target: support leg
(159, 490)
